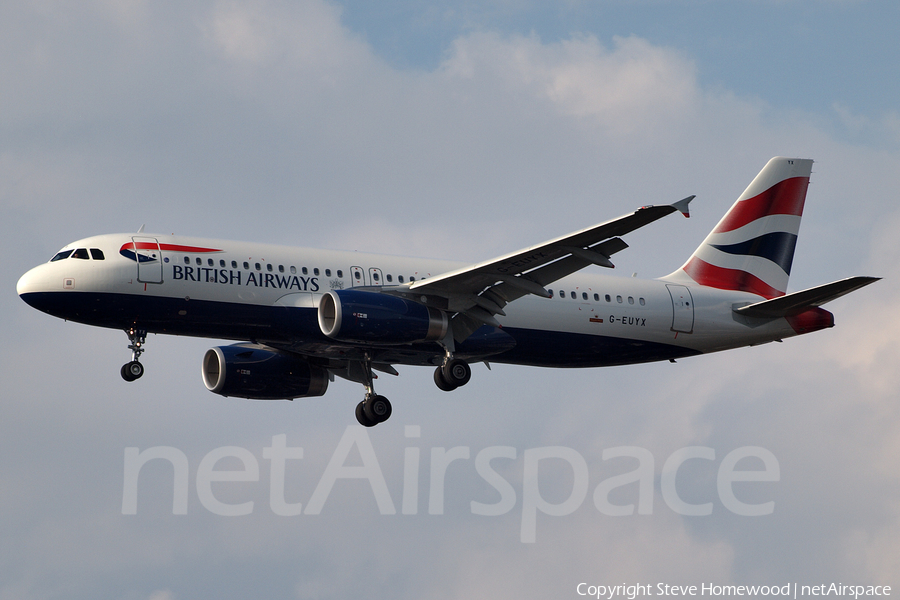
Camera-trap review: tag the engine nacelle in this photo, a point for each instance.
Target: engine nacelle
(248, 371)
(376, 318)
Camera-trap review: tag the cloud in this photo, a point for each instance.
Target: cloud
(303, 36)
(635, 87)
(884, 129)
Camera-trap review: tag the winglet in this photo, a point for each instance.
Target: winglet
(682, 206)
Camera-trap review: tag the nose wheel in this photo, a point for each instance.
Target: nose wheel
(134, 369)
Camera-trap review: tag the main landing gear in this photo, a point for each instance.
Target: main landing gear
(374, 409)
(452, 374)
(134, 369)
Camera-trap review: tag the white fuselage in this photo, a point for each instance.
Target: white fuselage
(270, 294)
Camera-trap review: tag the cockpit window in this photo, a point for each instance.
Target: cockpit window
(63, 254)
(81, 253)
(97, 254)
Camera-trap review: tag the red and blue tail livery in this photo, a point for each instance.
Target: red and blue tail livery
(300, 317)
(752, 247)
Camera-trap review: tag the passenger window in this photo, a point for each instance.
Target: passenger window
(234, 264)
(357, 275)
(411, 279)
(630, 300)
(390, 278)
(187, 260)
(375, 276)
(97, 254)
(316, 271)
(619, 299)
(293, 270)
(210, 262)
(340, 273)
(573, 295)
(608, 299)
(61, 255)
(81, 253)
(269, 267)
(304, 270)
(596, 297)
(400, 278)
(258, 267)
(199, 261)
(222, 264)
(246, 265)
(281, 268)
(584, 295)
(327, 272)
(550, 292)
(641, 300)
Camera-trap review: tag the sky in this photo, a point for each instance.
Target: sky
(459, 130)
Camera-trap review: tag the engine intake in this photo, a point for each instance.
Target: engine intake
(373, 317)
(248, 371)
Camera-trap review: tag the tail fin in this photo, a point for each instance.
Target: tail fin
(752, 247)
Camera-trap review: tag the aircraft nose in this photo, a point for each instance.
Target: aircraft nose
(32, 283)
(25, 284)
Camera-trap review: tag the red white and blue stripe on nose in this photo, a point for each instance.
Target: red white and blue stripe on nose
(146, 251)
(752, 247)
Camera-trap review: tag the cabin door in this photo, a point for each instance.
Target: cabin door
(149, 259)
(682, 308)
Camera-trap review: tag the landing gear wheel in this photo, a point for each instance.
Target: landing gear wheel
(374, 409)
(442, 383)
(361, 416)
(456, 372)
(377, 409)
(132, 370)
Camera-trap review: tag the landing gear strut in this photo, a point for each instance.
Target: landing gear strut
(374, 409)
(454, 373)
(134, 369)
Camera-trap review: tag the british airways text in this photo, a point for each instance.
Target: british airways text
(232, 277)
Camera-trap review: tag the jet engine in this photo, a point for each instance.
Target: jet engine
(255, 372)
(376, 318)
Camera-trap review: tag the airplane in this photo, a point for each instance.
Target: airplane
(302, 316)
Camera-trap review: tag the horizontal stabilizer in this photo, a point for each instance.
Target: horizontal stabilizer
(798, 302)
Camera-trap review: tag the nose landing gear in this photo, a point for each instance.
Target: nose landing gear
(134, 369)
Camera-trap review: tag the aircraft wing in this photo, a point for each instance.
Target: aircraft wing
(480, 291)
